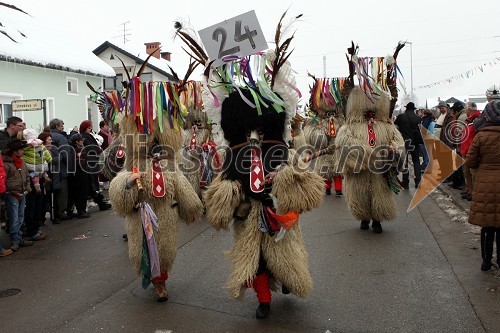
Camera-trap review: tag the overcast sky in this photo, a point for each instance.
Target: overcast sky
(448, 37)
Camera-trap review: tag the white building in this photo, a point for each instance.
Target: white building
(38, 61)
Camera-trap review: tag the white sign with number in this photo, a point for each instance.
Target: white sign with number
(240, 36)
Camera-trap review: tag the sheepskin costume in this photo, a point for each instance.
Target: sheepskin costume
(258, 257)
(367, 192)
(179, 202)
(199, 151)
(321, 129)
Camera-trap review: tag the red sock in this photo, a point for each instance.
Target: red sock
(162, 278)
(328, 184)
(337, 183)
(261, 287)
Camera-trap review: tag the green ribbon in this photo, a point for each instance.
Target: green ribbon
(145, 263)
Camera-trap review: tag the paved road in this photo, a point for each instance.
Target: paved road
(417, 276)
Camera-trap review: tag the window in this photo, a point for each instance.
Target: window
(145, 77)
(72, 85)
(5, 112)
(114, 83)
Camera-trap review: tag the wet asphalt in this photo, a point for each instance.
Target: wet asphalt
(420, 275)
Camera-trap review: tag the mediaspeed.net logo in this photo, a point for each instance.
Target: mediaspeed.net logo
(443, 161)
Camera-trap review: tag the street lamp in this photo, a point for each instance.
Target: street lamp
(411, 67)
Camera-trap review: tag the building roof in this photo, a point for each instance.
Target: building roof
(27, 40)
(158, 65)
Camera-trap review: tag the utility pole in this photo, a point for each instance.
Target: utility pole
(411, 68)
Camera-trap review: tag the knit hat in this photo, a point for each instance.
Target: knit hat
(492, 111)
(84, 125)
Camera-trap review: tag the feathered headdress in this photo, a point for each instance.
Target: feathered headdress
(263, 80)
(377, 76)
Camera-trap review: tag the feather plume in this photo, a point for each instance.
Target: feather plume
(143, 66)
(281, 50)
(125, 68)
(190, 41)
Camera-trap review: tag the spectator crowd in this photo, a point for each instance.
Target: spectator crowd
(48, 173)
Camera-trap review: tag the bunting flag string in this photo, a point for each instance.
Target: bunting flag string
(465, 75)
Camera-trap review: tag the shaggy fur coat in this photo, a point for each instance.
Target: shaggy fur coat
(316, 135)
(179, 204)
(296, 190)
(367, 193)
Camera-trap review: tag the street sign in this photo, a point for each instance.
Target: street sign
(239, 36)
(27, 105)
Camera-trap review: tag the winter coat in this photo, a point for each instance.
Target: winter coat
(296, 190)
(468, 134)
(16, 180)
(106, 139)
(53, 175)
(3, 175)
(484, 155)
(92, 151)
(60, 140)
(4, 139)
(367, 192)
(316, 133)
(446, 133)
(407, 124)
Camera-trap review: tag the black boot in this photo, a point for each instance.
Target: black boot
(284, 290)
(377, 227)
(487, 238)
(99, 200)
(365, 225)
(328, 191)
(263, 310)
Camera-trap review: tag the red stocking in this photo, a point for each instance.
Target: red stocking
(162, 278)
(337, 183)
(328, 184)
(261, 287)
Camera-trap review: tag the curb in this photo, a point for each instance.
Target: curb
(454, 194)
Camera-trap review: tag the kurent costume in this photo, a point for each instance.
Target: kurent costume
(369, 146)
(326, 108)
(369, 178)
(151, 132)
(199, 149)
(263, 186)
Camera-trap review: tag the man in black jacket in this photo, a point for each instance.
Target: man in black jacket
(408, 124)
(66, 165)
(14, 126)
